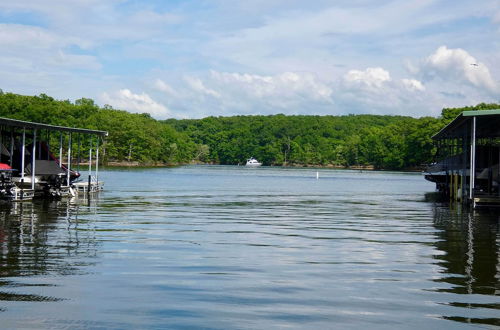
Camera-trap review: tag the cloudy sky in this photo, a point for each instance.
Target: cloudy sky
(195, 58)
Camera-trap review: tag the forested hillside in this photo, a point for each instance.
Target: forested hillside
(139, 136)
(385, 142)
(390, 142)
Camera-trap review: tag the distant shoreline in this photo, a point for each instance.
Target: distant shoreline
(329, 166)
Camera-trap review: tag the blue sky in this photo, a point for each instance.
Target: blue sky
(191, 59)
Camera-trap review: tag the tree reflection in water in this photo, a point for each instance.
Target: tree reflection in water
(43, 242)
(39, 239)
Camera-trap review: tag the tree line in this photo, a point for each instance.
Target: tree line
(384, 142)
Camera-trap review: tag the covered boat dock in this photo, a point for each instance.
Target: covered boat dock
(31, 169)
(468, 158)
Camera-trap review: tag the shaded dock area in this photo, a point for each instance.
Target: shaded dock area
(468, 157)
(36, 160)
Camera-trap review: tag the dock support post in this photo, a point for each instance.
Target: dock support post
(450, 186)
(490, 166)
(472, 159)
(78, 158)
(33, 161)
(90, 165)
(463, 195)
(48, 144)
(97, 162)
(11, 146)
(60, 149)
(69, 159)
(23, 153)
(462, 185)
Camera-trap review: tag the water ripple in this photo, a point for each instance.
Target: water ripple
(226, 247)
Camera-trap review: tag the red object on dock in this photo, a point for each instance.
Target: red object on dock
(5, 167)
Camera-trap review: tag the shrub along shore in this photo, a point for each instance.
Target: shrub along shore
(353, 141)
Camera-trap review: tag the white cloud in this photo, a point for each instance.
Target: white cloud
(371, 77)
(30, 36)
(374, 91)
(230, 93)
(413, 85)
(42, 49)
(198, 86)
(371, 90)
(36, 60)
(317, 35)
(139, 103)
(94, 22)
(164, 87)
(148, 17)
(284, 85)
(73, 61)
(230, 57)
(457, 64)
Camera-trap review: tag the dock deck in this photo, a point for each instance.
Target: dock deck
(22, 195)
(83, 187)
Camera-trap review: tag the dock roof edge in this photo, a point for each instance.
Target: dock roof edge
(461, 118)
(28, 124)
(472, 113)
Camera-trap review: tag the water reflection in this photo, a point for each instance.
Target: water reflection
(232, 250)
(470, 259)
(40, 239)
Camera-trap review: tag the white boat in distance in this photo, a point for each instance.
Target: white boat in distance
(253, 162)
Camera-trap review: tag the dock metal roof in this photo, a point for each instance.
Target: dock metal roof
(28, 124)
(487, 125)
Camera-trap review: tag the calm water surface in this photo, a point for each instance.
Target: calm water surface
(220, 247)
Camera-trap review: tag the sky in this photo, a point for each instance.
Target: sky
(198, 58)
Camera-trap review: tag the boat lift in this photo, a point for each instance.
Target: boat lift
(36, 171)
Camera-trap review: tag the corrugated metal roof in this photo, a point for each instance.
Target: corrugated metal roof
(28, 124)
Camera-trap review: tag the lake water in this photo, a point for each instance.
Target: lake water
(220, 247)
